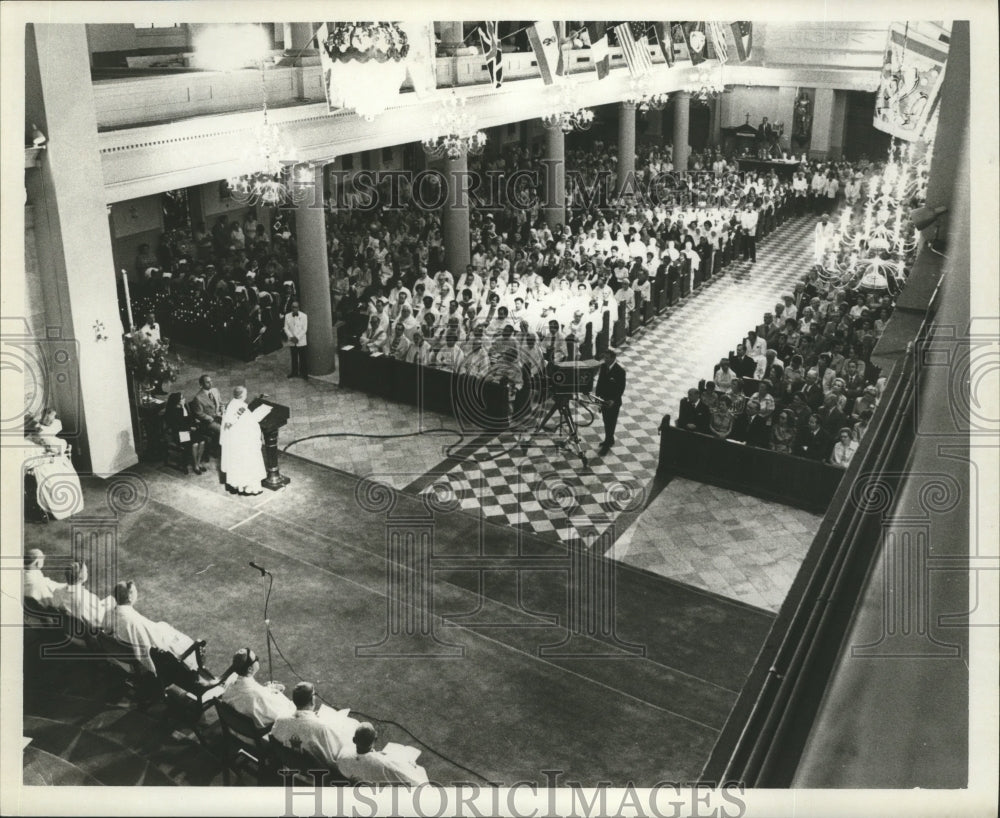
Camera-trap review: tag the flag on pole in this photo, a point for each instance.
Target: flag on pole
(910, 87)
(743, 34)
(598, 33)
(694, 36)
(334, 99)
(634, 48)
(420, 63)
(545, 43)
(665, 38)
(718, 32)
(491, 50)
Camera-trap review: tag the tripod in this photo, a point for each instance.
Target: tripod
(566, 437)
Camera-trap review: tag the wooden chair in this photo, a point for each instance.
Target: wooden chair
(298, 765)
(121, 660)
(242, 742)
(186, 693)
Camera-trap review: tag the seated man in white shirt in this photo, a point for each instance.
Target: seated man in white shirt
(394, 764)
(323, 739)
(127, 625)
(77, 601)
(262, 703)
(38, 587)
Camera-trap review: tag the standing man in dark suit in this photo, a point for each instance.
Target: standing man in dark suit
(610, 388)
(206, 406)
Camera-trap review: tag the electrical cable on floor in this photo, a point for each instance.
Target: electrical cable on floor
(378, 720)
(448, 450)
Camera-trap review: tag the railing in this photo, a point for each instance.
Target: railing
(133, 99)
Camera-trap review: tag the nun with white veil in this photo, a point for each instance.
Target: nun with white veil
(241, 441)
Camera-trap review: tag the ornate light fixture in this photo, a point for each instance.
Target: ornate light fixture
(704, 84)
(272, 178)
(455, 131)
(368, 65)
(874, 245)
(643, 94)
(565, 111)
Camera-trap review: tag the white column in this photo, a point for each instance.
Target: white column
(822, 122)
(682, 135)
(626, 143)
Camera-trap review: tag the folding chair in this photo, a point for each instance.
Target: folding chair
(242, 742)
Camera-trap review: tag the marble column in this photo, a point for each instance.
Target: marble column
(626, 143)
(455, 216)
(314, 279)
(682, 119)
(555, 177)
(80, 361)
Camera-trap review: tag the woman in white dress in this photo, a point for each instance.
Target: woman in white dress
(241, 440)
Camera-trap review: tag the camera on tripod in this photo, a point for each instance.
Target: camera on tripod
(571, 378)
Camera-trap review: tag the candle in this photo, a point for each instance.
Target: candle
(128, 302)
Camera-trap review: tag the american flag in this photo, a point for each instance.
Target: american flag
(491, 50)
(632, 39)
(718, 32)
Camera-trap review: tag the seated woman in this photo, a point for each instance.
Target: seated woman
(184, 430)
(721, 424)
(844, 449)
(783, 432)
(46, 432)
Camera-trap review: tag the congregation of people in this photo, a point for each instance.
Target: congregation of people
(330, 737)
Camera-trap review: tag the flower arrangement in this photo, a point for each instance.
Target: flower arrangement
(367, 41)
(148, 361)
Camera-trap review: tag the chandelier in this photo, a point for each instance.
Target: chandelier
(644, 96)
(873, 246)
(455, 131)
(366, 66)
(272, 178)
(704, 84)
(565, 112)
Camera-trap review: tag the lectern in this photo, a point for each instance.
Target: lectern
(269, 425)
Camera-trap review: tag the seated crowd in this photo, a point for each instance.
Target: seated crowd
(328, 736)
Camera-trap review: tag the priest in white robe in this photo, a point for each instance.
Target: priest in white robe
(127, 625)
(241, 441)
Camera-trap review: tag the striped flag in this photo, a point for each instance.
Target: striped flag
(743, 34)
(491, 50)
(665, 38)
(718, 32)
(634, 48)
(598, 33)
(694, 36)
(910, 87)
(545, 43)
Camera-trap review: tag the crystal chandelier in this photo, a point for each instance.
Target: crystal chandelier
(455, 131)
(565, 111)
(704, 84)
(644, 96)
(366, 67)
(874, 245)
(272, 178)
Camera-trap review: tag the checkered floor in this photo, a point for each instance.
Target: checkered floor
(546, 490)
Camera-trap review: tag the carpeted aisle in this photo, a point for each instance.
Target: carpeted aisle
(503, 697)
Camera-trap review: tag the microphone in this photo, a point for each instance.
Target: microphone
(262, 570)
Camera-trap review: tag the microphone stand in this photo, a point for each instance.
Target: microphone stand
(267, 623)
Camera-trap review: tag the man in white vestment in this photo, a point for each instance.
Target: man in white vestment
(263, 703)
(241, 440)
(394, 764)
(37, 586)
(127, 625)
(322, 737)
(77, 601)
(823, 239)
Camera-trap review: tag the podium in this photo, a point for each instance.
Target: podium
(269, 426)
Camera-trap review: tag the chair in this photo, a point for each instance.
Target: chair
(187, 693)
(301, 763)
(121, 660)
(242, 741)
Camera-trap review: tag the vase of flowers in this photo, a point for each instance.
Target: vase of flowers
(148, 363)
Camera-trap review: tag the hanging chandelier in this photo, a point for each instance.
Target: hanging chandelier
(274, 176)
(643, 94)
(704, 84)
(454, 131)
(565, 112)
(874, 245)
(366, 65)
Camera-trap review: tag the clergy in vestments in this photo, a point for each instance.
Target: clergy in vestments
(241, 440)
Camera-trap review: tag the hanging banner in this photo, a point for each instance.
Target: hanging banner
(910, 86)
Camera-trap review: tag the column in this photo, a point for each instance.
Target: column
(84, 376)
(821, 123)
(451, 37)
(626, 143)
(314, 279)
(715, 126)
(654, 124)
(455, 216)
(555, 177)
(682, 119)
